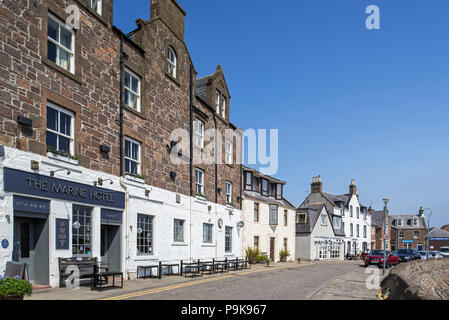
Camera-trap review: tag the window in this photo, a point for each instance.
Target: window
(335, 250)
(279, 188)
(401, 234)
(285, 217)
(207, 232)
(364, 231)
(171, 62)
(416, 234)
(272, 190)
(217, 101)
(337, 222)
(323, 250)
(352, 230)
(144, 234)
(96, 5)
(60, 129)
(223, 109)
(301, 218)
(415, 222)
(358, 231)
(132, 90)
(132, 156)
(248, 180)
(358, 212)
(256, 182)
(399, 222)
(285, 244)
(178, 230)
(60, 44)
(199, 180)
(264, 187)
(323, 220)
(229, 154)
(273, 214)
(81, 230)
(228, 192)
(228, 239)
(256, 212)
(256, 242)
(199, 133)
(351, 209)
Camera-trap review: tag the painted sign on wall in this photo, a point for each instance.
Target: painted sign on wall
(62, 234)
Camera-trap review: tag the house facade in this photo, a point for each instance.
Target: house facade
(438, 238)
(269, 218)
(378, 230)
(90, 164)
(350, 219)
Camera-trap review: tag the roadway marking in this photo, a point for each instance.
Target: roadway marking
(193, 283)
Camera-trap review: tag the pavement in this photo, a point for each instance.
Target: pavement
(316, 280)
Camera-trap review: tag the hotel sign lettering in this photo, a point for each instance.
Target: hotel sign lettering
(49, 187)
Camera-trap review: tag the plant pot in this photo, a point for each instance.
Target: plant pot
(283, 260)
(11, 298)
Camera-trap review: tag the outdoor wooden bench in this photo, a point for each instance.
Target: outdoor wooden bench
(99, 279)
(169, 267)
(193, 270)
(87, 266)
(147, 274)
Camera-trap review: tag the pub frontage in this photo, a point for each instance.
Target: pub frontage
(45, 218)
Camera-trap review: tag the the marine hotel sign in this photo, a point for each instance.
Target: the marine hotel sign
(49, 187)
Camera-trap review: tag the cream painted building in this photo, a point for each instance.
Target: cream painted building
(269, 218)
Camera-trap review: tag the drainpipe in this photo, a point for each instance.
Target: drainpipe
(191, 155)
(122, 69)
(126, 225)
(216, 185)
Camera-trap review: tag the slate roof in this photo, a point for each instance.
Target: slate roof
(201, 85)
(407, 221)
(313, 212)
(257, 196)
(438, 233)
(378, 218)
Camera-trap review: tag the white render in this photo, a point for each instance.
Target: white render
(264, 231)
(159, 203)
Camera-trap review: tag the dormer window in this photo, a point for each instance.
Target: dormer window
(96, 5)
(415, 222)
(301, 218)
(279, 189)
(248, 181)
(264, 190)
(171, 62)
(399, 222)
(223, 107)
(272, 190)
(256, 182)
(217, 101)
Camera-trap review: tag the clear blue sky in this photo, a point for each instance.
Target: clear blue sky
(372, 105)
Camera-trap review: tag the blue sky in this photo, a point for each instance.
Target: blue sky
(349, 103)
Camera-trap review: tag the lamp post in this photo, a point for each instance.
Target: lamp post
(428, 231)
(385, 232)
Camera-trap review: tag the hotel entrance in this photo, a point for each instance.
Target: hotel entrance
(111, 239)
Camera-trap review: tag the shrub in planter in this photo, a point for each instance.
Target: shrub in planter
(252, 255)
(283, 255)
(261, 259)
(14, 288)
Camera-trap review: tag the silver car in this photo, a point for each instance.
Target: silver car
(423, 255)
(444, 252)
(436, 255)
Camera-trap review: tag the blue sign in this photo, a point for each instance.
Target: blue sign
(439, 239)
(111, 216)
(5, 244)
(62, 234)
(407, 241)
(32, 205)
(49, 187)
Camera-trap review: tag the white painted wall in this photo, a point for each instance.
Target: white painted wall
(347, 219)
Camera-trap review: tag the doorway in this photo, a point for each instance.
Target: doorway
(272, 240)
(30, 246)
(111, 247)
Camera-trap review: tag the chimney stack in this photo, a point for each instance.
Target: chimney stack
(317, 185)
(171, 13)
(421, 212)
(352, 187)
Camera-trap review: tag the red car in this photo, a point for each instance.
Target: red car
(364, 254)
(376, 257)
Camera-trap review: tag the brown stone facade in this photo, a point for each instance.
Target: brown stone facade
(29, 81)
(408, 235)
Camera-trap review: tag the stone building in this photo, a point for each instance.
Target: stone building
(269, 218)
(89, 160)
(408, 231)
(438, 238)
(378, 230)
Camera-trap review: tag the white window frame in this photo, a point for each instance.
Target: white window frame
(256, 212)
(365, 232)
(217, 101)
(58, 133)
(178, 230)
(358, 212)
(137, 94)
(358, 231)
(351, 211)
(337, 222)
(171, 64)
(223, 107)
(228, 192)
(228, 239)
(229, 151)
(139, 157)
(415, 222)
(401, 234)
(199, 181)
(211, 226)
(285, 218)
(199, 133)
(59, 46)
(399, 222)
(352, 230)
(323, 220)
(99, 9)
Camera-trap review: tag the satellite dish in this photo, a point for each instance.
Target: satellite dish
(241, 224)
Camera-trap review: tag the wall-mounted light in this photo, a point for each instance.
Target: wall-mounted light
(105, 149)
(147, 192)
(171, 146)
(172, 175)
(100, 181)
(52, 173)
(34, 165)
(24, 121)
(219, 190)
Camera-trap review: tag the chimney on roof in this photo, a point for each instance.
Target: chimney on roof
(352, 187)
(421, 212)
(317, 185)
(171, 13)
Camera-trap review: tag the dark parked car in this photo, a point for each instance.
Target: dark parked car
(376, 257)
(406, 255)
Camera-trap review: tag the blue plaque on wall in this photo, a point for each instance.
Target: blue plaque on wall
(62, 234)
(5, 244)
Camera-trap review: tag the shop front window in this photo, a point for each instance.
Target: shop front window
(144, 234)
(81, 230)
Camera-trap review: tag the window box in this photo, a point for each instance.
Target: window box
(135, 178)
(230, 205)
(62, 158)
(201, 197)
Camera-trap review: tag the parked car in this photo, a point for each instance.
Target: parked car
(436, 255)
(406, 255)
(444, 252)
(364, 254)
(376, 257)
(422, 255)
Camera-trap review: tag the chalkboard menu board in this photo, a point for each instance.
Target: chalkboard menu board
(62, 234)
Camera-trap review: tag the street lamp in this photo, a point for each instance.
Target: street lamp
(385, 232)
(428, 231)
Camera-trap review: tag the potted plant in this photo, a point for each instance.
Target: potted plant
(14, 288)
(252, 255)
(283, 255)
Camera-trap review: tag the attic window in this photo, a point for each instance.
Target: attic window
(248, 181)
(415, 222)
(279, 189)
(399, 222)
(264, 190)
(96, 5)
(301, 218)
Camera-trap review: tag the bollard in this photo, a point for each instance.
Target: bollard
(180, 269)
(160, 270)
